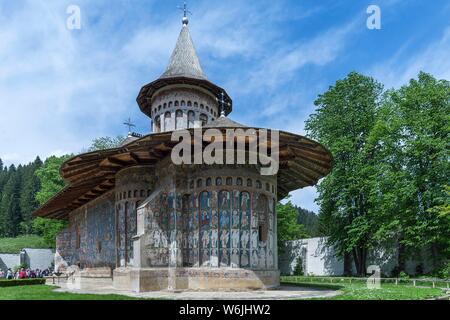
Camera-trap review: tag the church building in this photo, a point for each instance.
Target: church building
(142, 222)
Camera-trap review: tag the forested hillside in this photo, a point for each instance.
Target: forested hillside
(18, 187)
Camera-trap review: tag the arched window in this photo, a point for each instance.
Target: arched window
(189, 104)
(135, 193)
(249, 183)
(179, 119)
(262, 210)
(126, 218)
(191, 119)
(258, 184)
(208, 182)
(203, 119)
(219, 181)
(229, 181)
(170, 104)
(78, 238)
(202, 106)
(239, 181)
(165, 105)
(142, 193)
(199, 183)
(183, 103)
(195, 105)
(267, 186)
(167, 121)
(207, 108)
(159, 108)
(129, 194)
(176, 103)
(157, 124)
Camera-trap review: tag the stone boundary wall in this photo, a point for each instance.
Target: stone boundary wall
(319, 259)
(33, 258)
(9, 261)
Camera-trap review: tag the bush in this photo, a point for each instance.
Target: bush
(298, 271)
(444, 272)
(20, 282)
(403, 275)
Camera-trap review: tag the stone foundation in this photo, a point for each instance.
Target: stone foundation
(155, 279)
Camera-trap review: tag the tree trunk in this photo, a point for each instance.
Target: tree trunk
(360, 256)
(347, 264)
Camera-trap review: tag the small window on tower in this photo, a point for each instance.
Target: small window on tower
(203, 119)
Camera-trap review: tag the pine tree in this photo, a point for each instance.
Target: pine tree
(28, 202)
(10, 215)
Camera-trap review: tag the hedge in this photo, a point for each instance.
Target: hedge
(21, 282)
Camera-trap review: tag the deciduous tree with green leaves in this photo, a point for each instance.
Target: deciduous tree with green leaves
(287, 225)
(343, 120)
(50, 178)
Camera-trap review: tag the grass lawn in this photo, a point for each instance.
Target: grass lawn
(14, 245)
(359, 291)
(43, 292)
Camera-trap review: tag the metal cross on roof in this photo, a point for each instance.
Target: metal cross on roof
(185, 13)
(222, 103)
(129, 124)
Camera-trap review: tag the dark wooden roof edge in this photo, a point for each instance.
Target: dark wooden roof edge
(285, 186)
(149, 89)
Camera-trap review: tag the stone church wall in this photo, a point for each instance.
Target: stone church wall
(89, 240)
(133, 186)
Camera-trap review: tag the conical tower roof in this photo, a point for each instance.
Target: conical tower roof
(184, 69)
(184, 61)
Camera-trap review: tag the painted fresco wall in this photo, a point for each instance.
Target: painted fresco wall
(89, 239)
(133, 186)
(218, 221)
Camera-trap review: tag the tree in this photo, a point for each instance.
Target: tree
(288, 228)
(50, 179)
(343, 120)
(310, 220)
(49, 229)
(413, 137)
(28, 202)
(103, 143)
(10, 215)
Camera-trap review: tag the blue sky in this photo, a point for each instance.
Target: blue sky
(61, 88)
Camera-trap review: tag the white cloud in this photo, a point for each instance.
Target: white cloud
(434, 59)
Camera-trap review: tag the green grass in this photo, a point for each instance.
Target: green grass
(359, 290)
(14, 245)
(43, 292)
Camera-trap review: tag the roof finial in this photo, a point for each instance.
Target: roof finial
(185, 19)
(222, 104)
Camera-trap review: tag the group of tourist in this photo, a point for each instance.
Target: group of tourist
(24, 273)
